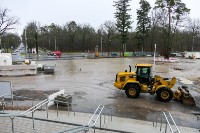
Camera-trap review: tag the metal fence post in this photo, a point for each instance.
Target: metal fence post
(47, 110)
(111, 115)
(153, 119)
(161, 123)
(100, 120)
(156, 121)
(12, 121)
(74, 110)
(166, 128)
(68, 109)
(57, 108)
(3, 104)
(33, 120)
(12, 100)
(17, 104)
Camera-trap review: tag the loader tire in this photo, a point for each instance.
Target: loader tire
(132, 91)
(164, 94)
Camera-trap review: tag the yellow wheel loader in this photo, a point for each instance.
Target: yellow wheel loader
(142, 81)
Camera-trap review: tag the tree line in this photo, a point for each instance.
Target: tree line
(167, 24)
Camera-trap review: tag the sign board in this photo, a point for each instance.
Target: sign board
(6, 89)
(5, 59)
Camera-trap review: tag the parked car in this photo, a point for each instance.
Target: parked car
(50, 53)
(113, 54)
(57, 53)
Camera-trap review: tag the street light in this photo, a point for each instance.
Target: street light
(109, 46)
(55, 44)
(0, 38)
(0, 41)
(101, 44)
(26, 43)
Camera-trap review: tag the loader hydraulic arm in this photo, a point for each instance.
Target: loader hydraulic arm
(161, 81)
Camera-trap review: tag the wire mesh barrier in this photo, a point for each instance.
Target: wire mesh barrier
(165, 123)
(19, 103)
(38, 118)
(16, 102)
(25, 125)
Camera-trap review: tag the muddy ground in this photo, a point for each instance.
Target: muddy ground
(90, 82)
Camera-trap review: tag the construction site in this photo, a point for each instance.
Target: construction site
(95, 103)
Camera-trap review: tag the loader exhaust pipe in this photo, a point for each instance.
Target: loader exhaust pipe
(129, 68)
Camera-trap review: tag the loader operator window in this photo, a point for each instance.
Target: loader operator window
(144, 74)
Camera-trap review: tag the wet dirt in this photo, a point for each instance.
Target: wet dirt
(90, 82)
(34, 94)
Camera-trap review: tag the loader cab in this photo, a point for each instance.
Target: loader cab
(144, 73)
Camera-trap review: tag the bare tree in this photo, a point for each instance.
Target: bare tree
(194, 27)
(108, 29)
(6, 22)
(174, 12)
(155, 18)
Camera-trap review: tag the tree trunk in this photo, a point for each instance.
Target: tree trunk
(123, 47)
(36, 44)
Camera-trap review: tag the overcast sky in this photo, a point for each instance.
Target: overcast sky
(93, 12)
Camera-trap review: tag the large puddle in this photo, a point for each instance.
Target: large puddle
(90, 82)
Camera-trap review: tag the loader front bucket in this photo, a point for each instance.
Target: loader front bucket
(184, 96)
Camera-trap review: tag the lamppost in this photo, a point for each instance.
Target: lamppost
(0, 37)
(0, 41)
(55, 45)
(109, 45)
(101, 44)
(26, 43)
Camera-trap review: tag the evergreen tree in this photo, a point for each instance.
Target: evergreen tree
(173, 13)
(71, 30)
(32, 31)
(123, 20)
(143, 24)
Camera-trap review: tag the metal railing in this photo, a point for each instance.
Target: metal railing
(160, 120)
(92, 123)
(12, 97)
(97, 115)
(31, 106)
(25, 113)
(31, 111)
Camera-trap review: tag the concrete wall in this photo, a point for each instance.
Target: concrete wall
(18, 70)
